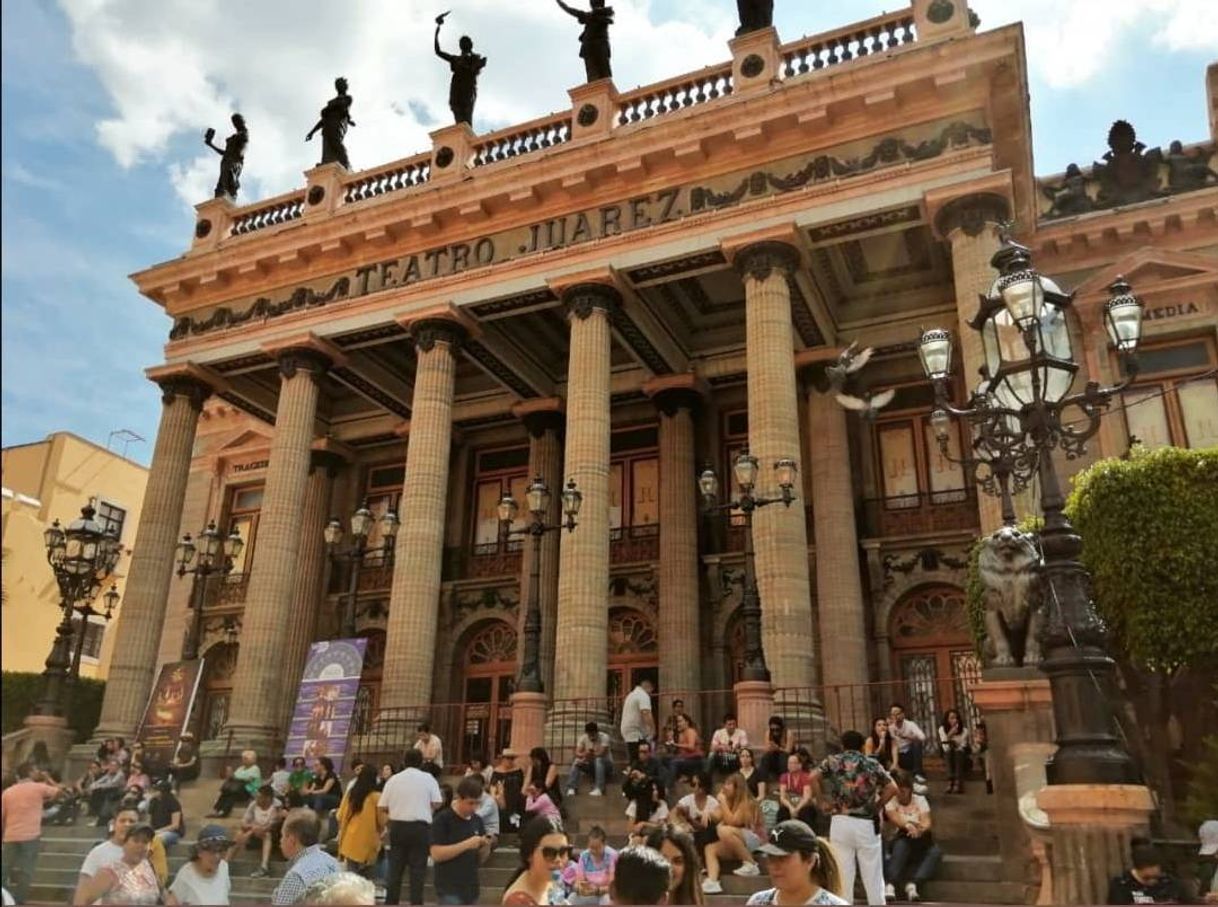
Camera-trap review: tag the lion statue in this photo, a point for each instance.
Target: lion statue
(1009, 568)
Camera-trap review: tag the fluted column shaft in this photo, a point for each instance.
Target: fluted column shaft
(971, 226)
(138, 633)
(414, 601)
(839, 587)
(583, 567)
(545, 460)
(680, 636)
(307, 591)
(270, 604)
(780, 535)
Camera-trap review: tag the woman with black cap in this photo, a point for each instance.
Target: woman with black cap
(130, 879)
(801, 866)
(204, 879)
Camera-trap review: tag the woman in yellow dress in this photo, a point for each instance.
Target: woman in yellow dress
(359, 823)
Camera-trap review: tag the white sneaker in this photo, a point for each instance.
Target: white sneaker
(597, 792)
(890, 892)
(911, 892)
(748, 869)
(710, 886)
(920, 788)
(570, 792)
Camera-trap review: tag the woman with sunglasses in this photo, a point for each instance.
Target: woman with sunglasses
(544, 852)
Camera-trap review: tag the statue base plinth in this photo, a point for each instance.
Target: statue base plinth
(528, 723)
(42, 739)
(1090, 830)
(1018, 710)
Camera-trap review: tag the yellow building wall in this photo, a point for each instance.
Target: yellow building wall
(44, 481)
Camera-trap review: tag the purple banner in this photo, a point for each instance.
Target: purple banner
(326, 701)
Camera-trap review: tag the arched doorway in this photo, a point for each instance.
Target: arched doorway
(933, 654)
(367, 696)
(219, 666)
(634, 656)
(489, 679)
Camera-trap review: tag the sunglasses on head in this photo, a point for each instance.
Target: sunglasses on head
(553, 853)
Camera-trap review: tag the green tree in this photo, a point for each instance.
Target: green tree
(1149, 526)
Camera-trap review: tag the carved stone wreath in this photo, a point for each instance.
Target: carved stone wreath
(202, 228)
(588, 114)
(752, 66)
(316, 194)
(444, 157)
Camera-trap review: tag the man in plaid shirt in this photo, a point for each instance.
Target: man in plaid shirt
(309, 863)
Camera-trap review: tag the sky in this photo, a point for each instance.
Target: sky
(104, 102)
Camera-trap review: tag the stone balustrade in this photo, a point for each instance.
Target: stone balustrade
(875, 36)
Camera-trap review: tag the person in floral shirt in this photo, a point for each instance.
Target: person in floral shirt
(856, 787)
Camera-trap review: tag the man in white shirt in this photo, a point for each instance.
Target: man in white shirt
(432, 749)
(591, 757)
(409, 799)
(638, 722)
(108, 851)
(726, 744)
(911, 740)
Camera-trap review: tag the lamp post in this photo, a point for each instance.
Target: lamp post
(745, 469)
(211, 553)
(1019, 414)
(81, 557)
(361, 527)
(537, 497)
(85, 610)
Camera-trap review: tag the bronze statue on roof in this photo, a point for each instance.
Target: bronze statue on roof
(232, 157)
(594, 39)
(333, 122)
(754, 15)
(463, 89)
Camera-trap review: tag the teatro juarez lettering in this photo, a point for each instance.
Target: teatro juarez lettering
(569, 230)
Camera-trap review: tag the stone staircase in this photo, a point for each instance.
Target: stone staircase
(965, 828)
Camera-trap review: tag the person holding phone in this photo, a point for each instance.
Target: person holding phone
(459, 842)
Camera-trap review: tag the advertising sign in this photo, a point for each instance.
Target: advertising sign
(326, 701)
(168, 711)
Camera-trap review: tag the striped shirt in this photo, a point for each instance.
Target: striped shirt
(310, 865)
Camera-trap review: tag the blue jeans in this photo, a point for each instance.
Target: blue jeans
(19, 860)
(599, 769)
(925, 856)
(911, 759)
(169, 838)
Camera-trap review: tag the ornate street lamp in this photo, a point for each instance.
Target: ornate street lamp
(1019, 414)
(362, 522)
(210, 553)
(745, 469)
(81, 556)
(537, 498)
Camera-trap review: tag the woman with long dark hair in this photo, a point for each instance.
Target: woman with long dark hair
(324, 792)
(882, 745)
(953, 738)
(648, 806)
(360, 824)
(678, 848)
(544, 851)
(542, 769)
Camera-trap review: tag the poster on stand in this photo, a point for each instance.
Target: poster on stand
(168, 712)
(325, 701)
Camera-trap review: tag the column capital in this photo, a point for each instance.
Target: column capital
(185, 380)
(542, 415)
(427, 332)
(672, 393)
(969, 206)
(582, 299)
(760, 259)
(304, 352)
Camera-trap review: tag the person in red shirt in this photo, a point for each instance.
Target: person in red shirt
(21, 816)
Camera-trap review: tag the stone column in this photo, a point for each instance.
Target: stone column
(780, 534)
(138, 633)
(839, 587)
(307, 590)
(583, 566)
(271, 608)
(677, 399)
(414, 602)
(970, 224)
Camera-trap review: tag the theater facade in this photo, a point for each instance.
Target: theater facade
(622, 294)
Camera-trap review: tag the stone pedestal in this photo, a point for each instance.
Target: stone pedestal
(1091, 826)
(1018, 709)
(754, 706)
(49, 732)
(528, 722)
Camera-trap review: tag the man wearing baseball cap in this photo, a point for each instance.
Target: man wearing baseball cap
(1208, 833)
(802, 867)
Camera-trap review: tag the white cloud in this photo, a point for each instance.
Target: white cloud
(174, 67)
(1072, 42)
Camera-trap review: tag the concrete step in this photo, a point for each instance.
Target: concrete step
(973, 893)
